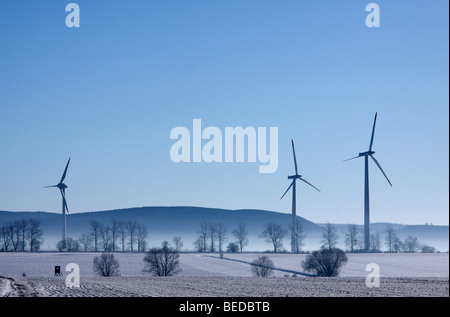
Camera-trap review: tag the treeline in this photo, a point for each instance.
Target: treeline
(21, 235)
(388, 237)
(131, 236)
(118, 235)
(212, 238)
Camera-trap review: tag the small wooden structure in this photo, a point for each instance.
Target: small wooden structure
(58, 271)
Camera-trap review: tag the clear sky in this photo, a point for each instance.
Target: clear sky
(108, 94)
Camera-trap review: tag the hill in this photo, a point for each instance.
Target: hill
(164, 223)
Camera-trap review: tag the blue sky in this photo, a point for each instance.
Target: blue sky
(108, 94)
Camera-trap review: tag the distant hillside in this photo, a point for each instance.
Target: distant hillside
(164, 223)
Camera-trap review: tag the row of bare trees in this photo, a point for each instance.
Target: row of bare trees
(21, 235)
(213, 235)
(118, 235)
(393, 243)
(212, 238)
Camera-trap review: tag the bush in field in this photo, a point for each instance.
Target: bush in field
(106, 265)
(162, 261)
(428, 249)
(262, 266)
(233, 247)
(326, 262)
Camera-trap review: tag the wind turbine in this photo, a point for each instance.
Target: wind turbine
(294, 207)
(62, 188)
(366, 156)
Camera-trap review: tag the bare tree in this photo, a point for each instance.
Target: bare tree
(262, 266)
(72, 245)
(274, 233)
(85, 241)
(34, 235)
(411, 245)
(142, 234)
(122, 230)
(14, 234)
(22, 228)
(131, 230)
(212, 234)
(329, 236)
(114, 234)
(352, 237)
(106, 265)
(298, 234)
(5, 238)
(397, 245)
(221, 231)
(390, 237)
(105, 234)
(61, 245)
(240, 234)
(204, 234)
(177, 243)
(95, 228)
(199, 245)
(162, 262)
(375, 242)
(326, 262)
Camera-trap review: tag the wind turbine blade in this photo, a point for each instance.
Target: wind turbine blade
(287, 189)
(310, 184)
(295, 159)
(65, 171)
(373, 132)
(351, 158)
(379, 166)
(64, 199)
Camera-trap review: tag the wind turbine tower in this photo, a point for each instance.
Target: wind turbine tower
(294, 244)
(366, 156)
(62, 188)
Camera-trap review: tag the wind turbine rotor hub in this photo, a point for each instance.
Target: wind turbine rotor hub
(62, 186)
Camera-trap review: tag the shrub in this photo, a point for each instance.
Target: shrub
(106, 265)
(162, 262)
(326, 262)
(232, 247)
(262, 266)
(428, 249)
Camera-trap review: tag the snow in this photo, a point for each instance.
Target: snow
(417, 265)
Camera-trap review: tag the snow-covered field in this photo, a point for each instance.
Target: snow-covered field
(201, 264)
(209, 275)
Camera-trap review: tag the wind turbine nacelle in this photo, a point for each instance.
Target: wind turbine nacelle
(366, 153)
(294, 176)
